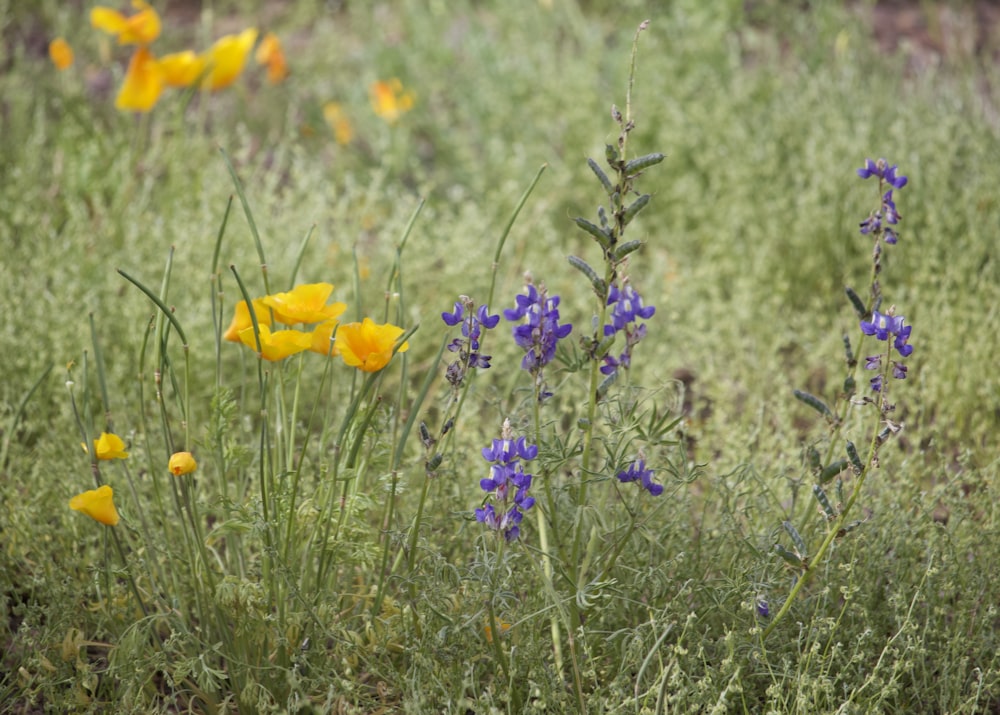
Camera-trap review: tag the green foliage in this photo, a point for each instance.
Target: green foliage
(744, 240)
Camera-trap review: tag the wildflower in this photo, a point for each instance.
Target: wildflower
(60, 53)
(304, 304)
(468, 347)
(144, 81)
(139, 29)
(242, 320)
(338, 122)
(367, 346)
(182, 69)
(109, 446)
(502, 626)
(541, 331)
(389, 100)
(507, 484)
(97, 504)
(226, 58)
(322, 342)
(270, 55)
(883, 171)
(278, 345)
(627, 308)
(181, 463)
(763, 610)
(886, 326)
(637, 471)
(879, 221)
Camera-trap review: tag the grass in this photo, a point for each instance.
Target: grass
(749, 238)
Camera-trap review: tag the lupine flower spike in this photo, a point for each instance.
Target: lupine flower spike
(880, 222)
(540, 331)
(627, 309)
(637, 471)
(468, 347)
(508, 484)
(885, 327)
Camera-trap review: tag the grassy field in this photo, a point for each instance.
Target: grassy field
(326, 554)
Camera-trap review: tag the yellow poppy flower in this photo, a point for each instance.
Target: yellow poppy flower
(271, 55)
(97, 504)
(138, 29)
(182, 69)
(60, 53)
(181, 463)
(225, 59)
(338, 122)
(143, 83)
(389, 100)
(368, 346)
(321, 339)
(278, 345)
(242, 320)
(304, 304)
(109, 446)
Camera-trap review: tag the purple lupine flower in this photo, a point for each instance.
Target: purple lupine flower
(540, 331)
(879, 222)
(763, 611)
(508, 483)
(637, 471)
(886, 326)
(474, 321)
(883, 171)
(627, 309)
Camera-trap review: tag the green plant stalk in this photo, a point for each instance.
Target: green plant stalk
(832, 533)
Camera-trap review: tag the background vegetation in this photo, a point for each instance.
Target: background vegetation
(763, 115)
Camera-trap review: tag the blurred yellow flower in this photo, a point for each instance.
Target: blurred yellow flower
(321, 338)
(242, 320)
(97, 504)
(109, 446)
(368, 346)
(270, 54)
(338, 122)
(226, 58)
(138, 29)
(304, 304)
(143, 83)
(389, 100)
(182, 463)
(504, 627)
(60, 53)
(182, 69)
(278, 345)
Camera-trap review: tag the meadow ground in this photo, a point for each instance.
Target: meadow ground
(683, 534)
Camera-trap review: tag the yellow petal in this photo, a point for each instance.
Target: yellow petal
(271, 55)
(109, 446)
(143, 83)
(225, 59)
(321, 338)
(305, 303)
(278, 345)
(181, 463)
(242, 320)
(367, 346)
(182, 69)
(60, 53)
(389, 100)
(97, 504)
(138, 29)
(338, 122)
